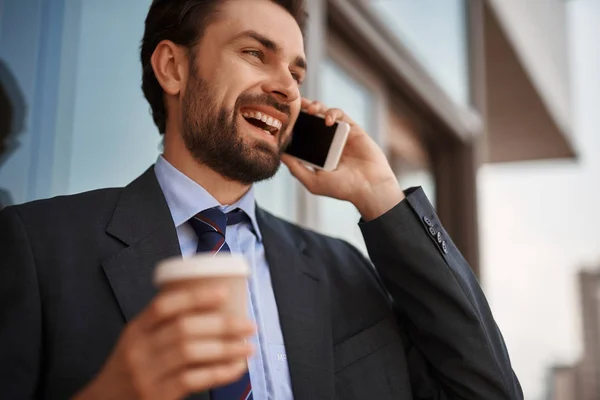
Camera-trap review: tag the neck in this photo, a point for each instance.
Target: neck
(223, 190)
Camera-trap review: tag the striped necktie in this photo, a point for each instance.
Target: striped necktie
(210, 226)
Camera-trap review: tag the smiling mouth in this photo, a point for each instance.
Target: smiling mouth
(263, 121)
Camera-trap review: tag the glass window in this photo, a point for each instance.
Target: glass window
(436, 32)
(278, 195)
(338, 89)
(114, 138)
(128, 136)
(409, 156)
(410, 175)
(104, 131)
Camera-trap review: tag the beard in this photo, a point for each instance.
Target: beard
(211, 134)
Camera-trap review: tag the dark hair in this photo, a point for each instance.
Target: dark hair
(183, 22)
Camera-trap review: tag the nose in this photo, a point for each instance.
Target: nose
(283, 86)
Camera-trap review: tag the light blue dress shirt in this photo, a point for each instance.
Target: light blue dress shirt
(268, 367)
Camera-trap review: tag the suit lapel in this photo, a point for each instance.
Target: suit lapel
(302, 296)
(143, 222)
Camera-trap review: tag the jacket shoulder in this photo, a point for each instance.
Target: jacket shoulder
(336, 250)
(93, 204)
(294, 232)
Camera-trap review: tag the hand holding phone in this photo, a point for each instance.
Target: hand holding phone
(363, 177)
(317, 144)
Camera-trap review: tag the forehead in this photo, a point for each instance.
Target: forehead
(262, 16)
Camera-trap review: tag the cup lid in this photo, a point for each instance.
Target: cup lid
(200, 266)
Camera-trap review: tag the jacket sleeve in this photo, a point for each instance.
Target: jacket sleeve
(456, 350)
(20, 311)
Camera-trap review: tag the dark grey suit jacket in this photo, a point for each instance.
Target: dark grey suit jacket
(74, 270)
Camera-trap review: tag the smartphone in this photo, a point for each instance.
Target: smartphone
(316, 144)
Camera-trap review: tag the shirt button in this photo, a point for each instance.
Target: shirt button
(444, 247)
(428, 222)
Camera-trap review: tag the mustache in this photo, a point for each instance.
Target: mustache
(266, 100)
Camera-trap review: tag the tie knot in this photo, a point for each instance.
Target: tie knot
(236, 216)
(210, 227)
(215, 220)
(210, 220)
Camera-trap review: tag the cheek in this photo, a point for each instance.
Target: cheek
(237, 72)
(236, 90)
(227, 82)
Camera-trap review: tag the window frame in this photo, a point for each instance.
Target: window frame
(338, 51)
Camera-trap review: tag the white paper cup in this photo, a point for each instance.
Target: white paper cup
(203, 270)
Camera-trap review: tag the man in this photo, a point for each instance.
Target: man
(81, 317)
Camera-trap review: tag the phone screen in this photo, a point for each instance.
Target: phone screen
(311, 139)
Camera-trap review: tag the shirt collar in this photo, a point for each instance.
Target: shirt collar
(187, 198)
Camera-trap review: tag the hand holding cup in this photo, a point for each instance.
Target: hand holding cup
(191, 338)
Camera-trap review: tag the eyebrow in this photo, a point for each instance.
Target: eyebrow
(270, 45)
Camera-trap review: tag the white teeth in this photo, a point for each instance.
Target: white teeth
(273, 122)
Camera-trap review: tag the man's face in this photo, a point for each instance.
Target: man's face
(242, 96)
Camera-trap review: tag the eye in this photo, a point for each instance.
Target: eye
(255, 53)
(297, 78)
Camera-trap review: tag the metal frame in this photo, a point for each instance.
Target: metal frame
(338, 51)
(315, 31)
(457, 163)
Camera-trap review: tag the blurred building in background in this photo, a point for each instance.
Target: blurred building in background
(582, 380)
(563, 383)
(442, 86)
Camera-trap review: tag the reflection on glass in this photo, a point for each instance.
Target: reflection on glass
(435, 30)
(338, 218)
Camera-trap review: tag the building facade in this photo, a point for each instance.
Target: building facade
(563, 383)
(442, 86)
(582, 380)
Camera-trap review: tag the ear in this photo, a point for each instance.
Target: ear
(170, 66)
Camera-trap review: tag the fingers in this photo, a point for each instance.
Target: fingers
(202, 326)
(313, 107)
(200, 352)
(305, 103)
(196, 337)
(331, 115)
(200, 379)
(170, 304)
(182, 343)
(190, 341)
